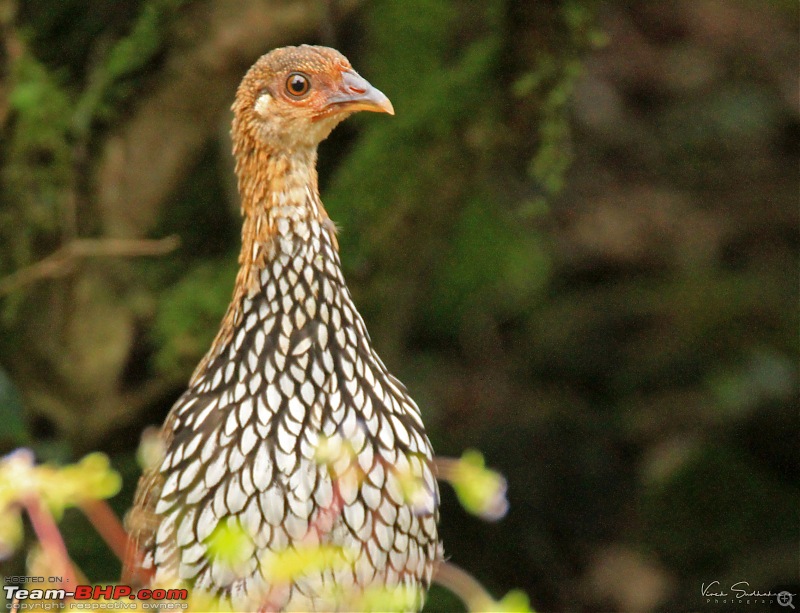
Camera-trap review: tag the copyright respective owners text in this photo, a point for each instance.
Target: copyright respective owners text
(33, 593)
(744, 596)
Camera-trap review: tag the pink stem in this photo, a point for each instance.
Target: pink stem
(446, 468)
(107, 525)
(463, 585)
(49, 536)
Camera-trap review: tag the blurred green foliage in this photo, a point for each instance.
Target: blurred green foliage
(189, 315)
(36, 171)
(430, 175)
(56, 119)
(112, 81)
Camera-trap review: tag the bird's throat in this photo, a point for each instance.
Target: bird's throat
(280, 195)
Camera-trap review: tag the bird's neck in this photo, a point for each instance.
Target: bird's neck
(283, 218)
(280, 201)
(270, 178)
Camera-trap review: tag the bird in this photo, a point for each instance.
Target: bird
(292, 431)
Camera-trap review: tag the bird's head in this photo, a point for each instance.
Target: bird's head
(293, 97)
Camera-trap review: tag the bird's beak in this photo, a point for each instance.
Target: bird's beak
(356, 94)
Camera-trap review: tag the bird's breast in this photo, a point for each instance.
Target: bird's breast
(297, 435)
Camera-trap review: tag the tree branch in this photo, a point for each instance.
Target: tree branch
(63, 261)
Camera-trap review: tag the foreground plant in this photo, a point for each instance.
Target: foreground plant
(45, 491)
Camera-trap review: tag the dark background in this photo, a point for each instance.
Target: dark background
(576, 243)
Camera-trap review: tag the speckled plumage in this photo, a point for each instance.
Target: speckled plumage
(291, 368)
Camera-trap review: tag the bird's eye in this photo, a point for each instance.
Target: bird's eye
(297, 85)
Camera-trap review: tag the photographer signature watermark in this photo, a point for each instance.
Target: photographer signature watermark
(741, 593)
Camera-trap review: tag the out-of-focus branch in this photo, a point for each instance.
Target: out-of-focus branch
(63, 261)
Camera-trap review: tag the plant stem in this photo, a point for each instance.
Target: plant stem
(50, 537)
(107, 525)
(465, 586)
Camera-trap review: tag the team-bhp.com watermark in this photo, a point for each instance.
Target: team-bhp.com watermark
(94, 597)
